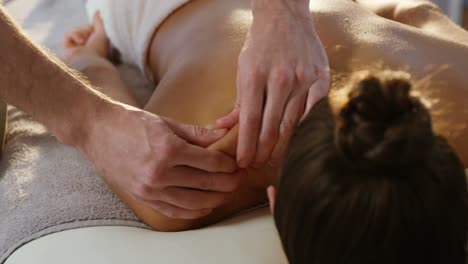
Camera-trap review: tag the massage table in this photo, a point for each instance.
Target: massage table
(250, 238)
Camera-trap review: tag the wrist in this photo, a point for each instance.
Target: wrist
(87, 109)
(103, 119)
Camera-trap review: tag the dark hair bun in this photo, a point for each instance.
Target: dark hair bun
(382, 125)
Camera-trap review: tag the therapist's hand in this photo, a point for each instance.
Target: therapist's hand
(160, 162)
(282, 72)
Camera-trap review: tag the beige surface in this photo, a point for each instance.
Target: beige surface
(250, 238)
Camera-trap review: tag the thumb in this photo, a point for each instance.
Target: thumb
(230, 120)
(194, 134)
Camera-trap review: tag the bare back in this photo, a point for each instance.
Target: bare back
(194, 53)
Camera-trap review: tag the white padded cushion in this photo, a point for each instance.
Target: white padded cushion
(249, 238)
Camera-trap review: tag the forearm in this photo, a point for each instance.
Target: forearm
(39, 84)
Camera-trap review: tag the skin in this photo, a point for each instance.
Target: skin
(276, 84)
(166, 154)
(194, 54)
(417, 13)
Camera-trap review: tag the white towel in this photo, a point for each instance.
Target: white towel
(130, 24)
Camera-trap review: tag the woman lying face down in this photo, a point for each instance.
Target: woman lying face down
(372, 183)
(366, 180)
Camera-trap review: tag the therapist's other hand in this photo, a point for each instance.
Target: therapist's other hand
(282, 72)
(161, 162)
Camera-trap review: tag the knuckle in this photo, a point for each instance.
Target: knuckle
(199, 131)
(147, 178)
(304, 77)
(142, 190)
(155, 179)
(152, 172)
(148, 174)
(300, 73)
(167, 151)
(256, 73)
(282, 76)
